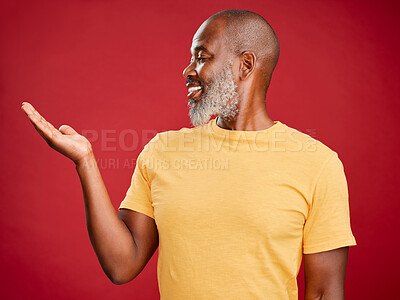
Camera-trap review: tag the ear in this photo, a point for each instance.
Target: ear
(247, 64)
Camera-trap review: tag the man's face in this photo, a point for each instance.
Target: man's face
(210, 80)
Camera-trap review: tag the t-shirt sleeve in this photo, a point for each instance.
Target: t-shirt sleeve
(138, 196)
(328, 223)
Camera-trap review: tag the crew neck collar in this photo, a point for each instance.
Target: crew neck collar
(244, 133)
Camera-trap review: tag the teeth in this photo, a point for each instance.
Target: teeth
(192, 89)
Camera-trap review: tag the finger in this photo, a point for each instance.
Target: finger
(66, 129)
(27, 107)
(45, 128)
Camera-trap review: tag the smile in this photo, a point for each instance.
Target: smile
(194, 92)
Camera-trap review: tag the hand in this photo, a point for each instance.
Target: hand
(65, 140)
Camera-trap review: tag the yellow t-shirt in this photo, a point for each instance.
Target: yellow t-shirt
(235, 210)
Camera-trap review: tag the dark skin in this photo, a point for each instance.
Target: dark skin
(123, 243)
(325, 271)
(126, 241)
(209, 44)
(325, 274)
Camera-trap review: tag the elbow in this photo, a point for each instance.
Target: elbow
(314, 298)
(121, 270)
(326, 295)
(118, 281)
(119, 278)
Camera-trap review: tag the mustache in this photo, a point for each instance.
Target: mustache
(190, 80)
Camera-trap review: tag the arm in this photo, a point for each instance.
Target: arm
(325, 274)
(123, 244)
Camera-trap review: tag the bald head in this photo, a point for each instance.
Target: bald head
(247, 31)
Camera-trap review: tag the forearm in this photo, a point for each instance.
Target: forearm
(336, 293)
(112, 241)
(325, 297)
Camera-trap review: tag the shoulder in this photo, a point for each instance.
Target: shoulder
(175, 139)
(177, 134)
(310, 148)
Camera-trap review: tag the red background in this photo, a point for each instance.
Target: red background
(110, 66)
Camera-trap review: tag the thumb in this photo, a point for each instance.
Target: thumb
(68, 130)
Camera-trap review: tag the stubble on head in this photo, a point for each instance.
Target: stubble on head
(221, 98)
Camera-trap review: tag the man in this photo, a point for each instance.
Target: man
(234, 202)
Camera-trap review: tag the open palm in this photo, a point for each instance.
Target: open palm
(65, 140)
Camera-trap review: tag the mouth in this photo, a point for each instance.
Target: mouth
(194, 92)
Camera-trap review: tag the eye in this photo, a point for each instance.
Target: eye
(202, 59)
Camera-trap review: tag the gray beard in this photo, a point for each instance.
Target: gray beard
(220, 99)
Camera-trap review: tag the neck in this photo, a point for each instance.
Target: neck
(252, 116)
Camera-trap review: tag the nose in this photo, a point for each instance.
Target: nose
(189, 70)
